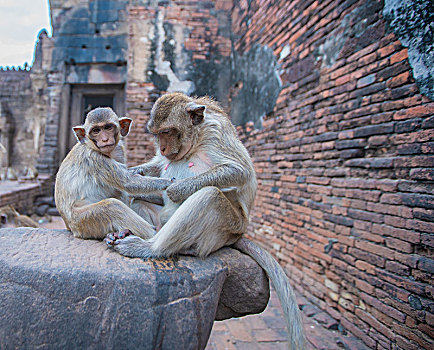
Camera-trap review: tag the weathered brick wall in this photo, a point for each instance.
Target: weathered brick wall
(180, 34)
(22, 196)
(345, 166)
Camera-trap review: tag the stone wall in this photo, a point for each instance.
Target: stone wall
(23, 110)
(20, 127)
(345, 166)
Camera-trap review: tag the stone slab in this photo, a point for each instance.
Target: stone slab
(62, 292)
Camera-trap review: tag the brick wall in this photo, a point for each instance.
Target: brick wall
(345, 167)
(190, 33)
(344, 159)
(22, 196)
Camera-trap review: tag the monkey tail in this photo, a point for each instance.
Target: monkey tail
(296, 339)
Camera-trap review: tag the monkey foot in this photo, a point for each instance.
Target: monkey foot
(135, 247)
(192, 251)
(115, 237)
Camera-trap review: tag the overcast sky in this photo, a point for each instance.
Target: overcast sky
(20, 23)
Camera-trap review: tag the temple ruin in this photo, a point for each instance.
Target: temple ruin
(333, 100)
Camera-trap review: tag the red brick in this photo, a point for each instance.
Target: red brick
(399, 80)
(410, 285)
(395, 221)
(366, 287)
(364, 266)
(421, 225)
(405, 344)
(386, 51)
(402, 55)
(367, 257)
(398, 268)
(385, 309)
(374, 323)
(410, 260)
(406, 235)
(343, 79)
(399, 245)
(358, 333)
(374, 248)
(414, 112)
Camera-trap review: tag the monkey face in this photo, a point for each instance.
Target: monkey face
(104, 136)
(169, 141)
(102, 127)
(175, 122)
(173, 143)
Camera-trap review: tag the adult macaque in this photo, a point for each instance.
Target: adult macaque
(93, 184)
(208, 205)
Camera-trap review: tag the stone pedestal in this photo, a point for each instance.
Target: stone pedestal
(61, 292)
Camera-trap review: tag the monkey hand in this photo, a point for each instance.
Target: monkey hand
(155, 183)
(163, 184)
(137, 170)
(178, 191)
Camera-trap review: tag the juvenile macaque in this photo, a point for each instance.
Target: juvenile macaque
(9, 215)
(208, 205)
(93, 184)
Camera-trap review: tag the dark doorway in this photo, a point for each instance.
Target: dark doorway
(94, 101)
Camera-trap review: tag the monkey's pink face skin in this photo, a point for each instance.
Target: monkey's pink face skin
(170, 144)
(104, 137)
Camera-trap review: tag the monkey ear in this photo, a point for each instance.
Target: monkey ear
(125, 124)
(79, 133)
(196, 112)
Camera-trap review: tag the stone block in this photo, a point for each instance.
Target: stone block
(80, 12)
(63, 292)
(107, 5)
(77, 26)
(106, 16)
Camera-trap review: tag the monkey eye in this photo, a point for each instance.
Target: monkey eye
(95, 131)
(108, 127)
(165, 131)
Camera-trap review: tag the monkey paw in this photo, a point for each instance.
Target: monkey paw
(164, 183)
(176, 192)
(135, 247)
(115, 237)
